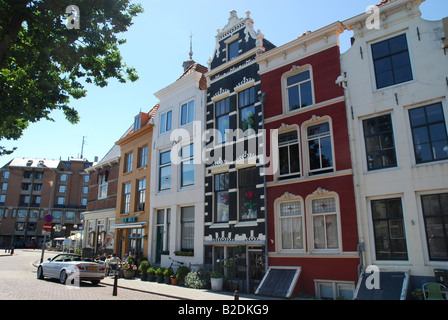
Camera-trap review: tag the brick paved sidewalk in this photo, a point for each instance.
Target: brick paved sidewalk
(177, 291)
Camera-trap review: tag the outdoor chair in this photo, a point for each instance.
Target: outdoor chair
(434, 291)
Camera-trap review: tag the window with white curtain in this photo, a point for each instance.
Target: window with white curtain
(291, 219)
(325, 223)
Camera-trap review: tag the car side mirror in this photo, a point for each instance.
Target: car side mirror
(49, 259)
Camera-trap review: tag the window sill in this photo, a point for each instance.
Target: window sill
(220, 225)
(247, 224)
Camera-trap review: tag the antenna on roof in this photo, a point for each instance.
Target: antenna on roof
(82, 146)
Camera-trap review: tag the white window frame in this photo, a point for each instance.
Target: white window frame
(316, 195)
(166, 126)
(285, 97)
(230, 41)
(287, 198)
(281, 131)
(126, 196)
(183, 237)
(141, 194)
(137, 122)
(189, 104)
(306, 170)
(159, 168)
(102, 186)
(142, 156)
(335, 287)
(186, 160)
(128, 162)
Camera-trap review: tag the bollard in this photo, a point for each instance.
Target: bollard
(235, 295)
(12, 251)
(114, 293)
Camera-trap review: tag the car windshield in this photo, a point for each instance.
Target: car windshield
(69, 257)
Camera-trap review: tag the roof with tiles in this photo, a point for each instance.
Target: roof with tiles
(383, 2)
(199, 68)
(146, 120)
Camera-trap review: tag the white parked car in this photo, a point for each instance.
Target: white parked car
(71, 267)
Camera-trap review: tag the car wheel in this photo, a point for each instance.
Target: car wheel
(40, 273)
(63, 277)
(95, 282)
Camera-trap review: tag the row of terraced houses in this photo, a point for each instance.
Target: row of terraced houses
(290, 168)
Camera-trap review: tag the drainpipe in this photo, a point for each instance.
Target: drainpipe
(360, 247)
(262, 99)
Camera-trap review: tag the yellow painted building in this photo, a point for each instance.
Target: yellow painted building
(132, 211)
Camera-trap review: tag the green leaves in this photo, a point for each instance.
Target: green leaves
(43, 63)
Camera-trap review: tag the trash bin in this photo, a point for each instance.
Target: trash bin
(441, 276)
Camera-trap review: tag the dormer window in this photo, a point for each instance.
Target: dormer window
(137, 122)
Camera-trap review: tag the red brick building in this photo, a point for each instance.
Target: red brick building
(101, 204)
(34, 188)
(310, 204)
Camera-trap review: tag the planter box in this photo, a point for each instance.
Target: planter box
(128, 274)
(216, 284)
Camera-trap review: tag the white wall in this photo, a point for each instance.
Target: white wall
(171, 98)
(429, 85)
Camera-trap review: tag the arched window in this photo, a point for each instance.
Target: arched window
(290, 223)
(324, 220)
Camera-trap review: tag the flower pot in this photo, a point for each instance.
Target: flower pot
(216, 284)
(159, 278)
(174, 281)
(144, 276)
(128, 274)
(151, 277)
(167, 279)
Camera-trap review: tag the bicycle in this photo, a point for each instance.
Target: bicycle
(179, 263)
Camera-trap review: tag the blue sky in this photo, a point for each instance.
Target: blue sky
(157, 44)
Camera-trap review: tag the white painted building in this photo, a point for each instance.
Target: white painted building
(177, 178)
(396, 80)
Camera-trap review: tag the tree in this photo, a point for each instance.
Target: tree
(49, 49)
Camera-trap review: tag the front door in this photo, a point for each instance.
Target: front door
(159, 243)
(256, 268)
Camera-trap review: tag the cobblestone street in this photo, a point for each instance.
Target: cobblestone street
(18, 281)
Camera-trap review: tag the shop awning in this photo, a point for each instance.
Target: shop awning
(279, 282)
(129, 225)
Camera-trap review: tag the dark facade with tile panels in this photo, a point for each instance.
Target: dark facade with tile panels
(235, 238)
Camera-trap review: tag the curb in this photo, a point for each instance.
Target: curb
(146, 291)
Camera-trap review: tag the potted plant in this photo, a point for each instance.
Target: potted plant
(182, 271)
(167, 273)
(151, 274)
(144, 266)
(129, 269)
(216, 279)
(159, 275)
(174, 279)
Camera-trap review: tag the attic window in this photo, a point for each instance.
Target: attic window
(233, 50)
(29, 163)
(137, 123)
